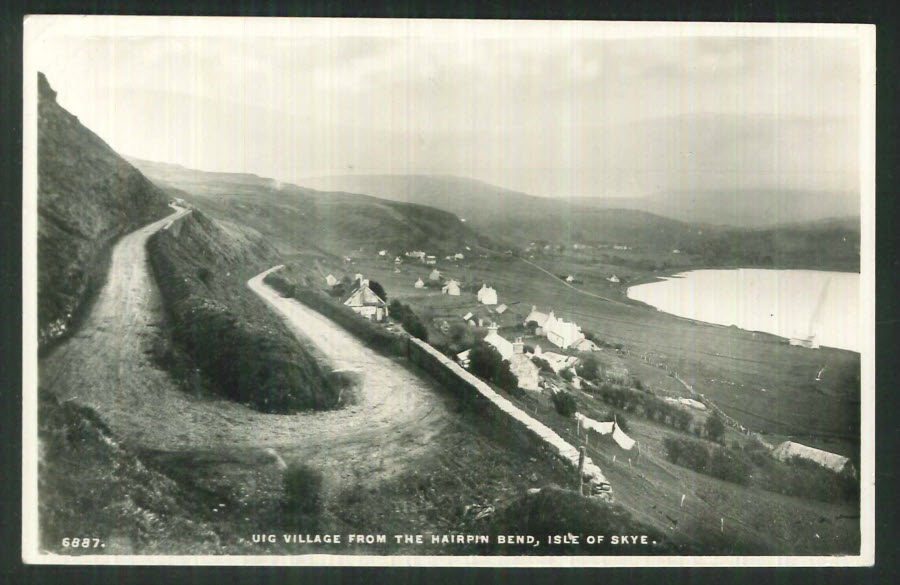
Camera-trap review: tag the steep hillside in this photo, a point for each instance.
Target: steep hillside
(298, 219)
(88, 196)
(246, 352)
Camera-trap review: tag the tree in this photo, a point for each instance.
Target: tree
(376, 288)
(715, 428)
(590, 368)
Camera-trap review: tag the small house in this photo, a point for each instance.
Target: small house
(431, 260)
(435, 275)
(366, 303)
(561, 333)
(537, 318)
(420, 283)
(458, 256)
(501, 344)
(836, 463)
(501, 309)
(613, 278)
(382, 252)
(331, 280)
(451, 288)
(570, 278)
(487, 295)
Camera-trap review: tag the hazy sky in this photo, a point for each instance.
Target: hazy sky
(554, 112)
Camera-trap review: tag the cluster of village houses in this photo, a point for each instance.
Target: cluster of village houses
(564, 335)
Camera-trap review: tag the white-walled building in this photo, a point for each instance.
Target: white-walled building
(503, 346)
(331, 280)
(487, 295)
(366, 303)
(420, 283)
(435, 275)
(451, 288)
(561, 333)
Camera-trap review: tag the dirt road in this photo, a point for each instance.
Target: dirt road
(106, 366)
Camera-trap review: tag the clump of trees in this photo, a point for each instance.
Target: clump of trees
(408, 319)
(717, 462)
(564, 403)
(715, 427)
(486, 362)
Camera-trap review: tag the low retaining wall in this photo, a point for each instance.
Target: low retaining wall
(451, 373)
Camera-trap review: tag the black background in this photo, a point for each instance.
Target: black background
(883, 14)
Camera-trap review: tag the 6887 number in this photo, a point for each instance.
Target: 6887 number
(82, 543)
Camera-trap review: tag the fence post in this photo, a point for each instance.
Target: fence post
(581, 471)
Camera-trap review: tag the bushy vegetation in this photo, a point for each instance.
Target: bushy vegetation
(564, 403)
(486, 362)
(649, 406)
(302, 490)
(717, 462)
(408, 319)
(237, 343)
(715, 427)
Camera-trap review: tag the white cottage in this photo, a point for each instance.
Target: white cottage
(366, 303)
(561, 333)
(331, 280)
(451, 288)
(435, 275)
(487, 295)
(420, 283)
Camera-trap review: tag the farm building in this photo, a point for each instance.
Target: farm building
(451, 288)
(501, 309)
(416, 254)
(487, 295)
(420, 283)
(561, 333)
(382, 252)
(331, 280)
(570, 278)
(459, 256)
(837, 463)
(430, 260)
(613, 278)
(366, 303)
(435, 275)
(538, 318)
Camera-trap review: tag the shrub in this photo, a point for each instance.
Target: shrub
(543, 364)
(567, 375)
(590, 368)
(486, 362)
(376, 288)
(715, 428)
(719, 463)
(564, 404)
(408, 319)
(302, 490)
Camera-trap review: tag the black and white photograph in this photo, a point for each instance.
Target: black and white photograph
(314, 291)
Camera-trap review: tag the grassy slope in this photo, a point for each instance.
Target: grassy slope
(92, 487)
(297, 219)
(201, 266)
(88, 196)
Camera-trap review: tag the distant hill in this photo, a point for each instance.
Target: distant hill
(87, 197)
(719, 229)
(298, 219)
(744, 209)
(516, 218)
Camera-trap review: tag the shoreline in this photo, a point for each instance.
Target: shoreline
(665, 277)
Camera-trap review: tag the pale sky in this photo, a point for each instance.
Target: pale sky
(553, 112)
